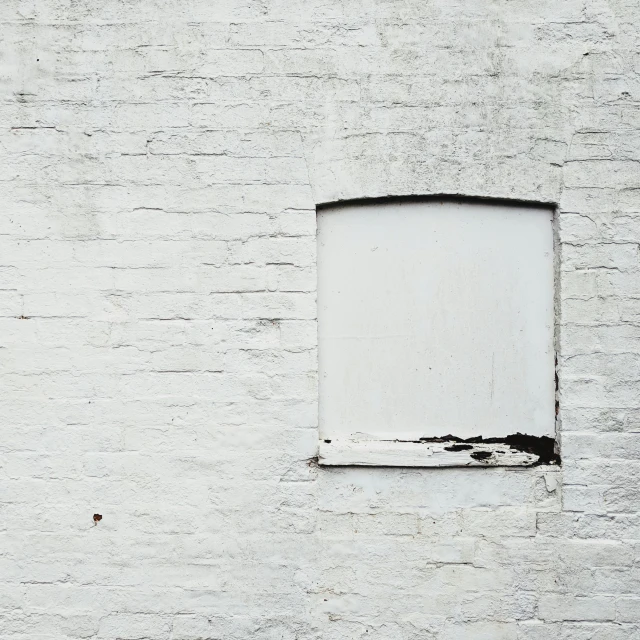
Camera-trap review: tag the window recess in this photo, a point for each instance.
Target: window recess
(436, 333)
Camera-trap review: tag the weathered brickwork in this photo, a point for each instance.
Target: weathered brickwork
(161, 164)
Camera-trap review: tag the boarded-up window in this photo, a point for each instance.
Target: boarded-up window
(435, 318)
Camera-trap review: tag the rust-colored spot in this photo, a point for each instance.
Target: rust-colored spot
(97, 517)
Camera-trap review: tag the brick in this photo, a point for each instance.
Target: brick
(597, 608)
(628, 610)
(158, 337)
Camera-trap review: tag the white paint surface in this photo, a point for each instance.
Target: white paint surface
(161, 166)
(391, 453)
(435, 318)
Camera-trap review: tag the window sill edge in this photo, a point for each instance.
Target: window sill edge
(393, 453)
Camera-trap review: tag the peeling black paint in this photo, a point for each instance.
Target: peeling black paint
(459, 447)
(481, 455)
(541, 446)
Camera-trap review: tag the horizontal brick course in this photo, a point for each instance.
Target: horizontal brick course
(162, 165)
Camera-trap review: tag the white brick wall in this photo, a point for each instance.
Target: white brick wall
(161, 165)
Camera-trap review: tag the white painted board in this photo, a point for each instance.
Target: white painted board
(435, 318)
